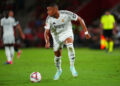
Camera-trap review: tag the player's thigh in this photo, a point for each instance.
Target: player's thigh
(58, 46)
(69, 40)
(108, 34)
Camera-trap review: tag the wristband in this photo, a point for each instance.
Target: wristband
(86, 32)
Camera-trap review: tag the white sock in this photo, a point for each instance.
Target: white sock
(12, 51)
(7, 51)
(71, 53)
(58, 63)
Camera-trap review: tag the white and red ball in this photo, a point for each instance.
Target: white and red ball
(35, 77)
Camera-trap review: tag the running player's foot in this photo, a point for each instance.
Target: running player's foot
(57, 75)
(74, 73)
(19, 53)
(9, 62)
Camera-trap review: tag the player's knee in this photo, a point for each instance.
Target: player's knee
(58, 54)
(69, 40)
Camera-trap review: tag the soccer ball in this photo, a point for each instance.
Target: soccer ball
(35, 77)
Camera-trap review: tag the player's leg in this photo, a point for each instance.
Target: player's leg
(7, 52)
(111, 44)
(19, 51)
(71, 54)
(57, 59)
(16, 48)
(105, 33)
(12, 51)
(107, 43)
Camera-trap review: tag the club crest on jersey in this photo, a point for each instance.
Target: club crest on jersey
(62, 20)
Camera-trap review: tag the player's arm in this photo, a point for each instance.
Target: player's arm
(115, 26)
(47, 33)
(1, 32)
(101, 28)
(20, 31)
(84, 27)
(115, 30)
(47, 42)
(75, 17)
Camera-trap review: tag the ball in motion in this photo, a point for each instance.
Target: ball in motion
(35, 77)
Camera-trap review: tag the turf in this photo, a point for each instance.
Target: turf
(95, 68)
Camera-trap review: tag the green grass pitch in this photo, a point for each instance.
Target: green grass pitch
(94, 67)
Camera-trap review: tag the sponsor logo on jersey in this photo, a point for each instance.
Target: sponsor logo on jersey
(59, 26)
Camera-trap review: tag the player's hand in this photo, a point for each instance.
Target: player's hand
(88, 36)
(47, 45)
(115, 31)
(23, 36)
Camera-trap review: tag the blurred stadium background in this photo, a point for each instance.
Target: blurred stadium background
(32, 14)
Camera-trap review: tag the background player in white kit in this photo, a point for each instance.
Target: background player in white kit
(58, 23)
(19, 51)
(8, 23)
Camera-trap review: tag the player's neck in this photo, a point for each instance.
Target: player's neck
(57, 15)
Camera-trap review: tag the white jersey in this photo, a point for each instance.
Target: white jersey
(8, 29)
(61, 28)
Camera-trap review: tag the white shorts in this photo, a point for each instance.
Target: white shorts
(9, 39)
(58, 42)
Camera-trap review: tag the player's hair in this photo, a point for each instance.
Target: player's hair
(52, 5)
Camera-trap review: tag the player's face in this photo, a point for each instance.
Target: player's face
(107, 13)
(51, 11)
(11, 13)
